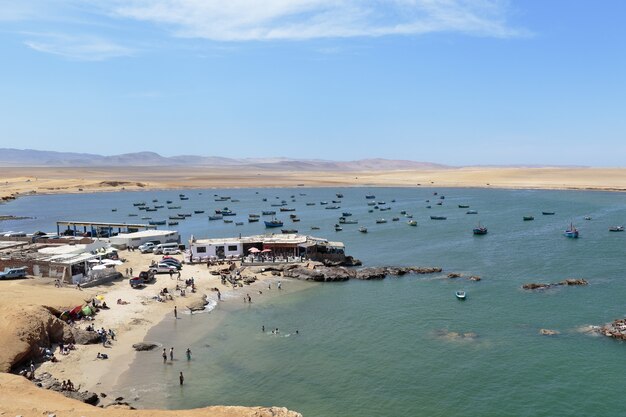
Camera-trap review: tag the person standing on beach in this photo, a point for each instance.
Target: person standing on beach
(181, 378)
(171, 353)
(164, 356)
(219, 295)
(188, 354)
(131, 271)
(280, 285)
(175, 313)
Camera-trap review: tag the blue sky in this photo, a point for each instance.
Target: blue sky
(459, 82)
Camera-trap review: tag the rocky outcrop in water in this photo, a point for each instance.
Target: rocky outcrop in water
(549, 332)
(616, 329)
(543, 286)
(339, 273)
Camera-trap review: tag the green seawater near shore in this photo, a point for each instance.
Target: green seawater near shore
(405, 346)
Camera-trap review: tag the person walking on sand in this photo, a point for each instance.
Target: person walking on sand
(175, 312)
(280, 285)
(131, 271)
(181, 378)
(171, 353)
(164, 356)
(219, 296)
(188, 354)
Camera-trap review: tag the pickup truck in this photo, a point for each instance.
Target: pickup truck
(146, 247)
(163, 268)
(143, 278)
(10, 273)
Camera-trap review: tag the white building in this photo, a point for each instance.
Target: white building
(124, 240)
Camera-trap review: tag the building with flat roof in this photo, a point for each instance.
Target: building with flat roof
(125, 240)
(272, 245)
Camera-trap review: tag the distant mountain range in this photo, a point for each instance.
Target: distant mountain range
(34, 158)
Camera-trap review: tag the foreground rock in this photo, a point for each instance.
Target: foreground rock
(18, 396)
(47, 381)
(543, 286)
(197, 303)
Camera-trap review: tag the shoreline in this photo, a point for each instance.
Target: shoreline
(16, 182)
(133, 322)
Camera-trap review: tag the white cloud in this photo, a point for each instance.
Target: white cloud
(80, 48)
(246, 20)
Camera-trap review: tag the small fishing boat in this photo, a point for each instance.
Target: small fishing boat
(409, 216)
(278, 205)
(173, 207)
(228, 213)
(571, 232)
(616, 229)
(253, 216)
(428, 207)
(339, 195)
(252, 219)
(547, 213)
(216, 217)
(363, 229)
(370, 196)
(332, 207)
(403, 212)
(169, 201)
(184, 198)
(371, 203)
(370, 211)
(184, 214)
(132, 215)
(480, 230)
(198, 211)
(179, 217)
(463, 205)
(315, 228)
(438, 218)
(146, 218)
(395, 219)
(238, 223)
(273, 223)
(155, 201)
(338, 228)
(287, 209)
(336, 201)
(439, 203)
(323, 203)
(234, 200)
(295, 219)
(343, 220)
(157, 222)
(227, 221)
(528, 218)
(289, 231)
(380, 221)
(139, 204)
(346, 214)
(310, 204)
(151, 209)
(587, 218)
(113, 209)
(471, 212)
(381, 203)
(158, 206)
(264, 199)
(385, 208)
(412, 223)
(268, 213)
(460, 295)
(173, 223)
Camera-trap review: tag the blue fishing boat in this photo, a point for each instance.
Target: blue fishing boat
(480, 230)
(273, 223)
(370, 196)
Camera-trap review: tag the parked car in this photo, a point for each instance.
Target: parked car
(146, 247)
(10, 273)
(171, 251)
(163, 268)
(173, 261)
(147, 276)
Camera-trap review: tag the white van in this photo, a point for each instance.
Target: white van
(158, 249)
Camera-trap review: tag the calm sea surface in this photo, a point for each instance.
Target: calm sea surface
(395, 347)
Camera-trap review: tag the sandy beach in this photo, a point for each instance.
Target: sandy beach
(16, 181)
(130, 321)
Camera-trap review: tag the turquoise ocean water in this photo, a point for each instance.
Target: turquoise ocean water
(391, 347)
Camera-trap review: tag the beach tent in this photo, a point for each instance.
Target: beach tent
(87, 311)
(76, 311)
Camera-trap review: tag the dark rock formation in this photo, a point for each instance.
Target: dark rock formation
(454, 275)
(144, 346)
(84, 337)
(339, 273)
(567, 282)
(616, 329)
